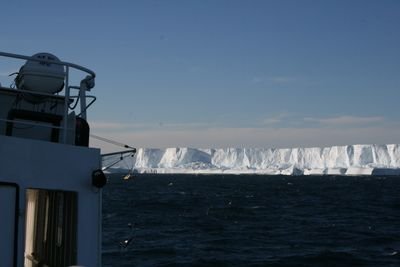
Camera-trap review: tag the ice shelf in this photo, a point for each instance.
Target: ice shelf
(335, 160)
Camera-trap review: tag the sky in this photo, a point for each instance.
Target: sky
(224, 73)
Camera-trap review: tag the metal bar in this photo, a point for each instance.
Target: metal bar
(119, 152)
(91, 102)
(67, 64)
(35, 124)
(82, 89)
(66, 103)
(30, 92)
(112, 164)
(82, 97)
(111, 141)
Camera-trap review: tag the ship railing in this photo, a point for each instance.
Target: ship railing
(86, 84)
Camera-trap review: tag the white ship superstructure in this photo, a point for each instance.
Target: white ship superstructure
(50, 180)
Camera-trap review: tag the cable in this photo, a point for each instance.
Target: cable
(123, 154)
(76, 102)
(121, 158)
(110, 141)
(88, 105)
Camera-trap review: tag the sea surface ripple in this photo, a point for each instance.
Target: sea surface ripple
(251, 220)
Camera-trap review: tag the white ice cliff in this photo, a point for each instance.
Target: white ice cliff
(335, 160)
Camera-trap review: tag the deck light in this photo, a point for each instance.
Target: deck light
(99, 179)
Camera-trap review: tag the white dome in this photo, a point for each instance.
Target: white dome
(40, 76)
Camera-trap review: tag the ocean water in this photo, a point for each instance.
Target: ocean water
(236, 220)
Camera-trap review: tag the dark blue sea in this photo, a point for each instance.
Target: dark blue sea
(246, 220)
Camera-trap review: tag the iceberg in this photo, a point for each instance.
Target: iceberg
(334, 160)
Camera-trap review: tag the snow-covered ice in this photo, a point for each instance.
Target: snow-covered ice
(335, 160)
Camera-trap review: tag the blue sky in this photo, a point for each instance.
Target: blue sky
(225, 73)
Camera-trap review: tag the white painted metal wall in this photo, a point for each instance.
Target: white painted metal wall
(7, 219)
(39, 164)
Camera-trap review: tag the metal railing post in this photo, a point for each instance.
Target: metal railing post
(82, 97)
(66, 105)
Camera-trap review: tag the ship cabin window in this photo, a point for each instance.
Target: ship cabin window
(51, 226)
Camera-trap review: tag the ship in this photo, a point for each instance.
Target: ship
(50, 179)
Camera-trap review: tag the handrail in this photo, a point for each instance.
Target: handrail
(30, 92)
(85, 85)
(72, 65)
(46, 125)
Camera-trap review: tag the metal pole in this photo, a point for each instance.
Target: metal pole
(119, 152)
(66, 105)
(82, 98)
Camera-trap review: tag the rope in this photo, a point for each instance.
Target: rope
(110, 141)
(121, 158)
(123, 154)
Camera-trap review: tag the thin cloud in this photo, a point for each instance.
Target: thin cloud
(346, 120)
(270, 121)
(119, 126)
(254, 137)
(283, 79)
(285, 120)
(342, 130)
(275, 120)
